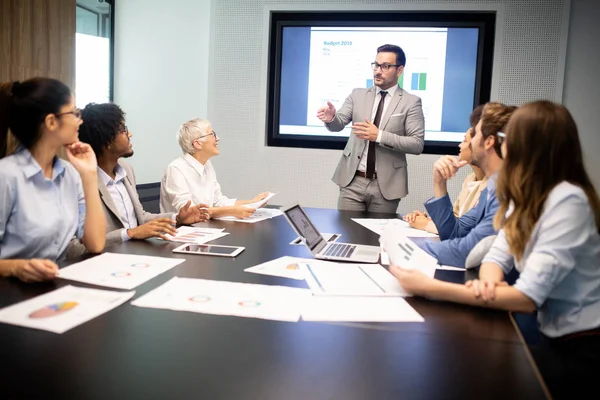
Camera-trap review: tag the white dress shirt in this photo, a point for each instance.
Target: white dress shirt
(362, 166)
(559, 268)
(187, 179)
(121, 198)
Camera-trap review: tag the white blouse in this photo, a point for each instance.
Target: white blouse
(187, 179)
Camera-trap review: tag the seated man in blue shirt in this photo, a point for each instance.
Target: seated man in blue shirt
(105, 130)
(459, 235)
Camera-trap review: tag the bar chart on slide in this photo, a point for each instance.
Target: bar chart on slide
(370, 82)
(340, 61)
(418, 81)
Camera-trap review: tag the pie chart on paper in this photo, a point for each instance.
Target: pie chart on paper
(53, 310)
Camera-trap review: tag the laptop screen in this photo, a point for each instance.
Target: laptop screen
(303, 225)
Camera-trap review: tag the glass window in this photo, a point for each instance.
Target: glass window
(93, 61)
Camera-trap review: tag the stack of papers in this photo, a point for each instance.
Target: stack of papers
(227, 298)
(121, 271)
(338, 279)
(188, 234)
(345, 292)
(63, 309)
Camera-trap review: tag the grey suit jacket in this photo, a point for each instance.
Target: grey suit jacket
(111, 213)
(403, 127)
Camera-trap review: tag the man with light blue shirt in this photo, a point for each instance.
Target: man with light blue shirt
(458, 236)
(105, 130)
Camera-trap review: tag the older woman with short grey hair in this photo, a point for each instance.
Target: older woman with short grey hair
(192, 176)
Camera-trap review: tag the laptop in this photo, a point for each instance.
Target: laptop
(320, 248)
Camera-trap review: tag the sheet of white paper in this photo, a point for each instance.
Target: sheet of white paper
(329, 237)
(258, 204)
(121, 271)
(63, 309)
(378, 226)
(286, 267)
(259, 215)
(188, 234)
(403, 252)
(359, 309)
(337, 279)
(227, 298)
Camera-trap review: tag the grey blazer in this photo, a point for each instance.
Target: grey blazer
(403, 127)
(113, 222)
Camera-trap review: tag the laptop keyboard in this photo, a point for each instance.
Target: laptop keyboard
(340, 250)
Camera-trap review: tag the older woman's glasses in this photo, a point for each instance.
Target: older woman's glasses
(213, 133)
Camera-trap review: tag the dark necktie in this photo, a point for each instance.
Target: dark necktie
(371, 153)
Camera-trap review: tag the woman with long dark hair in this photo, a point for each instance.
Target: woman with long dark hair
(44, 201)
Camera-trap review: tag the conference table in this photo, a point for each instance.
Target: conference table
(459, 352)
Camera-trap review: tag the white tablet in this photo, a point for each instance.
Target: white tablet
(209, 250)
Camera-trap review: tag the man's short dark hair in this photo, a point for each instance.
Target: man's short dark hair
(101, 124)
(392, 48)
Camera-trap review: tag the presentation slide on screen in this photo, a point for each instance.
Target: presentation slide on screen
(326, 64)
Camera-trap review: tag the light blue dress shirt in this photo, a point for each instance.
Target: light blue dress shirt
(38, 216)
(560, 267)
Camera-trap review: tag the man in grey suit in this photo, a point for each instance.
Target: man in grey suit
(387, 124)
(105, 130)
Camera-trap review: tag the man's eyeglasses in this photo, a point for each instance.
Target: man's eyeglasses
(384, 67)
(76, 112)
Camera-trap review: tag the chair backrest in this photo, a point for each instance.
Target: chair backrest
(150, 196)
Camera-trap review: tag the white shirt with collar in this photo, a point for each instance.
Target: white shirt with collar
(187, 179)
(121, 198)
(362, 166)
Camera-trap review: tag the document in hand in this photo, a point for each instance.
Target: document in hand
(260, 203)
(261, 214)
(404, 253)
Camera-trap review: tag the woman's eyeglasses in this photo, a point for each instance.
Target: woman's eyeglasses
(76, 112)
(208, 134)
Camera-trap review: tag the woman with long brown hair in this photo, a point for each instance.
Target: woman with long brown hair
(549, 221)
(44, 201)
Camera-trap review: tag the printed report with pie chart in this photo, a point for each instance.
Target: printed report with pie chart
(63, 309)
(278, 303)
(120, 271)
